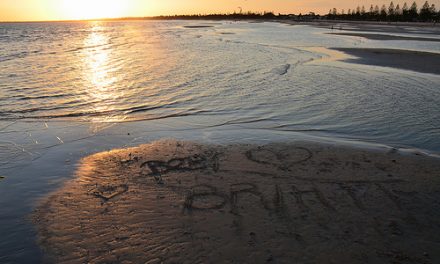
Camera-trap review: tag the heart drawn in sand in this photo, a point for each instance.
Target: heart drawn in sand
(281, 159)
(109, 192)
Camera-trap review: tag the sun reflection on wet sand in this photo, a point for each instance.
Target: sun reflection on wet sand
(327, 55)
(100, 78)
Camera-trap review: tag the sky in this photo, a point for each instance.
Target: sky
(38, 10)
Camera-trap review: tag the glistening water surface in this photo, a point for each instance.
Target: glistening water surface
(229, 73)
(69, 89)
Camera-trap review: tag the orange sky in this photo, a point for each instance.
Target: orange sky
(26, 10)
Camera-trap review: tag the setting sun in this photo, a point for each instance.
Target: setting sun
(86, 9)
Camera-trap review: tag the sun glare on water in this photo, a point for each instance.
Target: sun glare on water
(90, 9)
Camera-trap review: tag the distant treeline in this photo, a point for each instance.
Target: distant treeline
(427, 13)
(229, 16)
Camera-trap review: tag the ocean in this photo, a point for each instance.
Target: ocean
(258, 76)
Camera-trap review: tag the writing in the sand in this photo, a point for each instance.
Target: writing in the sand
(288, 197)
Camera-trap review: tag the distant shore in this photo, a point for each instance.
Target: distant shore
(262, 18)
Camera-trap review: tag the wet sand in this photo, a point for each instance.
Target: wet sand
(198, 26)
(424, 62)
(182, 202)
(385, 37)
(373, 26)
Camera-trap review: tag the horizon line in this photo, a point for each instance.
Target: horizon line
(154, 17)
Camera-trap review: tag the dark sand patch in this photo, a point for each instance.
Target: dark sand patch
(385, 37)
(198, 26)
(418, 61)
(179, 202)
(282, 70)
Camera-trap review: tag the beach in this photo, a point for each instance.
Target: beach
(140, 141)
(182, 202)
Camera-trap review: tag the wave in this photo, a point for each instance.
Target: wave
(24, 98)
(18, 55)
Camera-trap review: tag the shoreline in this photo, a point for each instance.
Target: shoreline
(194, 198)
(279, 136)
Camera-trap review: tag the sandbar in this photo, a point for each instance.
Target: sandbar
(183, 202)
(424, 62)
(198, 26)
(373, 26)
(385, 37)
